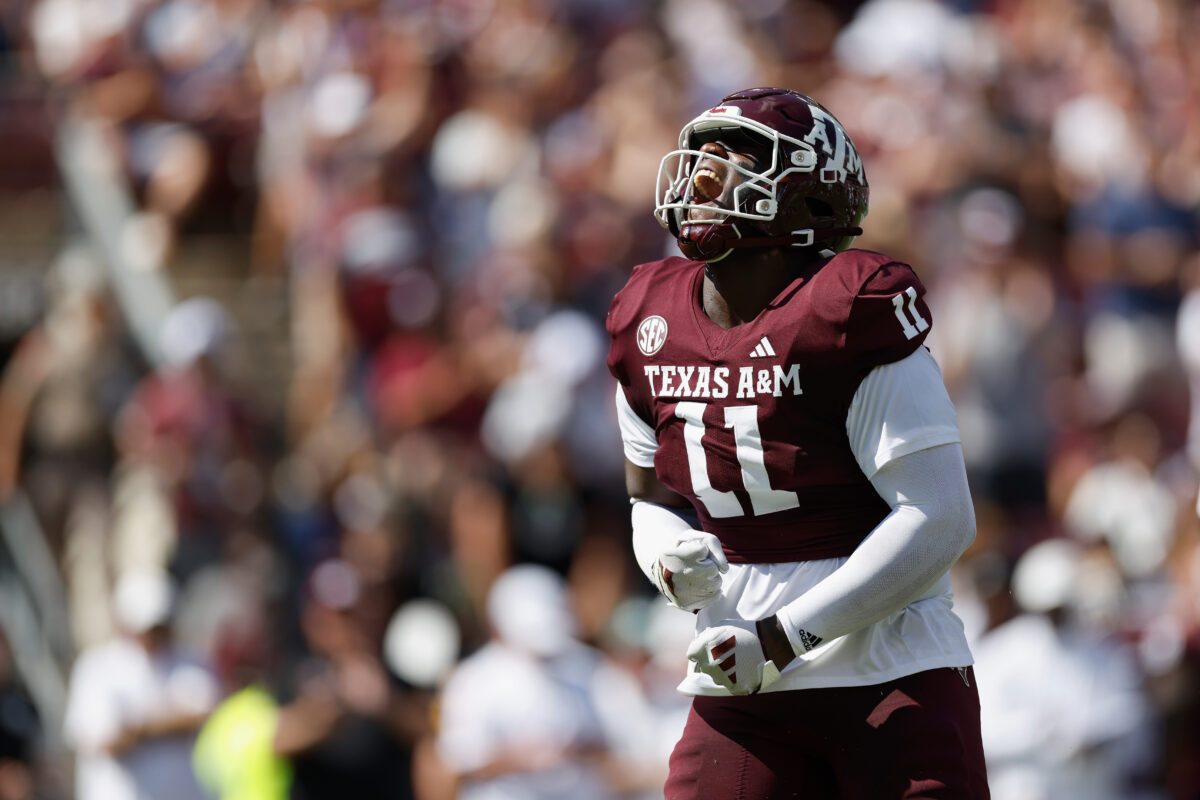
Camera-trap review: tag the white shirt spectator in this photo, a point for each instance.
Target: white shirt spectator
(117, 684)
(502, 704)
(1063, 711)
(133, 706)
(535, 714)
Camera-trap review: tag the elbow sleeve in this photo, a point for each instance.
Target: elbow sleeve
(931, 524)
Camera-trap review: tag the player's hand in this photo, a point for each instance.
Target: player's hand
(731, 654)
(689, 572)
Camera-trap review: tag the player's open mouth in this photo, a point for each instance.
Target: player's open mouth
(708, 184)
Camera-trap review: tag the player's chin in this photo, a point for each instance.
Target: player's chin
(706, 213)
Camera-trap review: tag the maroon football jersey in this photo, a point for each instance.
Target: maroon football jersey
(751, 421)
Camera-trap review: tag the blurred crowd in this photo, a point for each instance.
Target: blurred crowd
(409, 574)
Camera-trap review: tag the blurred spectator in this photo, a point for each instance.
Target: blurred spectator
(1187, 341)
(648, 640)
(1064, 711)
(20, 733)
(535, 713)
(1169, 647)
(345, 724)
(188, 449)
(421, 211)
(1119, 502)
(996, 341)
(231, 609)
(59, 394)
(60, 389)
(136, 701)
(422, 644)
(234, 757)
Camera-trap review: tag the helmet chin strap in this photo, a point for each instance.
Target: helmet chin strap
(715, 241)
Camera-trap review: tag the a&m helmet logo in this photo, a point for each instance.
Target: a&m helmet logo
(652, 335)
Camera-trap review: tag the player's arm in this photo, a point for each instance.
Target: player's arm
(685, 564)
(642, 483)
(932, 522)
(903, 430)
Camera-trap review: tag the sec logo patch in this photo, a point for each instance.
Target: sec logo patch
(652, 335)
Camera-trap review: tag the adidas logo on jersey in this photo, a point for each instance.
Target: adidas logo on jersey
(763, 350)
(809, 640)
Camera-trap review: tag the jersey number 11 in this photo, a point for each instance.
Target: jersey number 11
(748, 440)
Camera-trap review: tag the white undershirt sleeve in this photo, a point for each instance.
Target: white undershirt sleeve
(900, 408)
(931, 524)
(637, 436)
(903, 431)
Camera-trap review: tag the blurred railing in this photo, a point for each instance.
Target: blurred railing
(33, 613)
(101, 197)
(33, 608)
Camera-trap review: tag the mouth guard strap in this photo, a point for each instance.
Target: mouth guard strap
(790, 239)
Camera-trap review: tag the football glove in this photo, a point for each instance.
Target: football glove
(731, 654)
(688, 573)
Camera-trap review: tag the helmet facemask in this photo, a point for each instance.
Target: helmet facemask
(755, 198)
(769, 205)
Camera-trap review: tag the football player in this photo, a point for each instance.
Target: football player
(796, 472)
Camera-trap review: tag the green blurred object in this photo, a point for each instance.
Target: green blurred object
(235, 757)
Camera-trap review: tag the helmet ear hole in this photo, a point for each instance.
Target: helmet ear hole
(818, 207)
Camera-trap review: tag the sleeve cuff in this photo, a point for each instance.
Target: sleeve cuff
(922, 440)
(801, 640)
